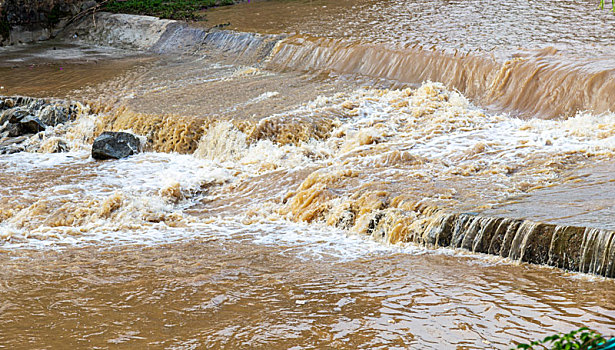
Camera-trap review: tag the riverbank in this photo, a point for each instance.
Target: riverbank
(26, 22)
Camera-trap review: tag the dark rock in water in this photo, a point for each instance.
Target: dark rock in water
(14, 116)
(11, 141)
(50, 112)
(19, 125)
(54, 115)
(29, 101)
(31, 125)
(11, 149)
(13, 130)
(22, 116)
(115, 145)
(12, 145)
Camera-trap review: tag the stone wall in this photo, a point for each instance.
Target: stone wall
(24, 21)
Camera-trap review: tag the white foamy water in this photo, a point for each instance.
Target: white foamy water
(141, 183)
(106, 201)
(137, 196)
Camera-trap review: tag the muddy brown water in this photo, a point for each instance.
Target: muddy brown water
(291, 180)
(528, 57)
(57, 69)
(232, 293)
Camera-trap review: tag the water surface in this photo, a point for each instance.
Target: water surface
(291, 180)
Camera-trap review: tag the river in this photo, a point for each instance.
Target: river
(314, 174)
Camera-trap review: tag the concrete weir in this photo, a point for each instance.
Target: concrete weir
(575, 248)
(582, 249)
(162, 36)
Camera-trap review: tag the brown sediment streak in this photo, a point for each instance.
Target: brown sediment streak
(288, 130)
(544, 85)
(164, 133)
(175, 133)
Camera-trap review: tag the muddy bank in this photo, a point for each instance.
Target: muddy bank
(29, 21)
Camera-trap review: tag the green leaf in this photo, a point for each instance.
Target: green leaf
(551, 338)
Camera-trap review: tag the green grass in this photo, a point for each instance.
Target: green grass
(172, 9)
(612, 5)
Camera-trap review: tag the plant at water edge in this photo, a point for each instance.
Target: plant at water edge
(612, 5)
(581, 339)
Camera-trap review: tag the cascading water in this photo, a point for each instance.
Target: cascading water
(309, 173)
(385, 131)
(532, 86)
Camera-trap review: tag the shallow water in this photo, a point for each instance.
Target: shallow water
(532, 58)
(281, 286)
(583, 201)
(290, 184)
(504, 28)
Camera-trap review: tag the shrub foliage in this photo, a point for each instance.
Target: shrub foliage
(581, 339)
(172, 9)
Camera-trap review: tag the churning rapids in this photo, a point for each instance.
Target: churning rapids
(317, 174)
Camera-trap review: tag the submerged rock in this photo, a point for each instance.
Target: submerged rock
(11, 130)
(31, 125)
(22, 116)
(115, 145)
(11, 145)
(8, 103)
(53, 145)
(49, 112)
(56, 114)
(14, 115)
(20, 122)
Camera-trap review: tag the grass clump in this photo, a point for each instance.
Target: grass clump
(612, 5)
(171, 9)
